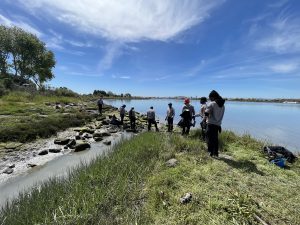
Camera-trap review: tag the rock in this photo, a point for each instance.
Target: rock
(8, 171)
(130, 130)
(87, 130)
(58, 107)
(101, 118)
(81, 146)
(43, 152)
(31, 165)
(55, 150)
(172, 162)
(105, 122)
(77, 136)
(107, 142)
(186, 198)
(11, 166)
(105, 134)
(87, 135)
(61, 141)
(98, 139)
(95, 135)
(71, 143)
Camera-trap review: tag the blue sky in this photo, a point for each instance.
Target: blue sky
(168, 48)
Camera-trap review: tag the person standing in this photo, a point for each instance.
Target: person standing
(187, 117)
(203, 123)
(170, 117)
(132, 118)
(214, 114)
(151, 119)
(100, 105)
(122, 113)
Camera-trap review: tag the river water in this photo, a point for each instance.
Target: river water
(276, 123)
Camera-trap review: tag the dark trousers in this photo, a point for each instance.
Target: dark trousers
(170, 124)
(186, 125)
(100, 109)
(132, 123)
(212, 139)
(150, 122)
(122, 118)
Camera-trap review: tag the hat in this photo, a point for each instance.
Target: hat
(123, 106)
(170, 103)
(186, 101)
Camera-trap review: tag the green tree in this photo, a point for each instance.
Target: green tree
(24, 55)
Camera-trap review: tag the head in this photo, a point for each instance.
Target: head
(187, 101)
(213, 95)
(114, 116)
(124, 106)
(132, 108)
(203, 100)
(170, 105)
(151, 107)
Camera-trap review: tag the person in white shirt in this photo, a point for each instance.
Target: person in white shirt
(170, 117)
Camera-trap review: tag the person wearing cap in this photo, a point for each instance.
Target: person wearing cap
(151, 119)
(214, 114)
(187, 114)
(132, 118)
(122, 113)
(170, 117)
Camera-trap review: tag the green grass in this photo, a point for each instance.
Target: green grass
(126, 187)
(25, 117)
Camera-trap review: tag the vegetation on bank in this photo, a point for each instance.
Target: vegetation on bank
(27, 116)
(135, 186)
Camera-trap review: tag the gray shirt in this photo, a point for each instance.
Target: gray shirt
(190, 108)
(216, 113)
(151, 114)
(171, 112)
(122, 111)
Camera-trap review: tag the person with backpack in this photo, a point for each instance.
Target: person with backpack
(187, 116)
(214, 114)
(170, 117)
(151, 119)
(100, 105)
(122, 113)
(132, 118)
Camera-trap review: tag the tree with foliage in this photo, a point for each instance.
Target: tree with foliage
(24, 55)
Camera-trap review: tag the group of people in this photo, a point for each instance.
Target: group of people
(211, 114)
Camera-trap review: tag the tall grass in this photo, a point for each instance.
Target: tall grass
(133, 185)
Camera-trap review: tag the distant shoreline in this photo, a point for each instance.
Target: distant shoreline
(283, 100)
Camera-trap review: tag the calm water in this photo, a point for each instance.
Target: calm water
(276, 123)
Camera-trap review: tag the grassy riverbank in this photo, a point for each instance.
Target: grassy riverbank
(25, 116)
(134, 186)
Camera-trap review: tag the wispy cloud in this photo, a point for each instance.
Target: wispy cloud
(112, 51)
(19, 23)
(288, 67)
(281, 35)
(129, 21)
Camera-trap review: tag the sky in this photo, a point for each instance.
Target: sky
(240, 48)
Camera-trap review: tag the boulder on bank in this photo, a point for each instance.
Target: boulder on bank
(55, 150)
(31, 165)
(71, 143)
(43, 152)
(8, 171)
(81, 146)
(63, 141)
(98, 139)
(105, 134)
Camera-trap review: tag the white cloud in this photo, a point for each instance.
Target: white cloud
(127, 21)
(285, 67)
(281, 36)
(113, 51)
(10, 23)
(125, 77)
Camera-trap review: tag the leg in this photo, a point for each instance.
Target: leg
(149, 125)
(209, 140)
(188, 129)
(155, 124)
(122, 118)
